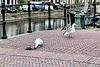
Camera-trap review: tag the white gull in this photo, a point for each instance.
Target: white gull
(69, 29)
(38, 42)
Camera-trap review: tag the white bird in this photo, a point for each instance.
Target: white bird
(69, 30)
(38, 42)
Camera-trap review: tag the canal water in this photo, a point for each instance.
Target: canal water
(13, 29)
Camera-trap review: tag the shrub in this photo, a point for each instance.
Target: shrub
(22, 1)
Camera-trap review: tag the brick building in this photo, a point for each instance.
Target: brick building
(9, 1)
(53, 1)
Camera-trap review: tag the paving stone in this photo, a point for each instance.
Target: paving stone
(82, 50)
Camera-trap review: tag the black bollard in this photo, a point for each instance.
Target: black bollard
(49, 17)
(94, 12)
(82, 21)
(4, 22)
(29, 19)
(68, 14)
(72, 14)
(64, 15)
(89, 12)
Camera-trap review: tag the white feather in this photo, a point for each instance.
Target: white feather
(70, 30)
(66, 33)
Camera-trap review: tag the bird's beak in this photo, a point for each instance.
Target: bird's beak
(62, 28)
(64, 32)
(76, 25)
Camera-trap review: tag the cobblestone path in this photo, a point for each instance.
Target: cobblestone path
(29, 61)
(82, 50)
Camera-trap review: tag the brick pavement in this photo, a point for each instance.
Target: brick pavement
(82, 50)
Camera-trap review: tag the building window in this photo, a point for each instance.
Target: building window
(1, 1)
(15, 1)
(12, 2)
(4, 1)
(8, 1)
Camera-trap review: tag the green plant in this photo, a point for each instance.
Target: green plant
(22, 1)
(17, 7)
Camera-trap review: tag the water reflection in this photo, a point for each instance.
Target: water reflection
(14, 29)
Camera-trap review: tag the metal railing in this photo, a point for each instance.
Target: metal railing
(4, 36)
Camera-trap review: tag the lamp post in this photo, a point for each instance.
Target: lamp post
(77, 16)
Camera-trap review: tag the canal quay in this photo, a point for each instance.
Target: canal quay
(80, 50)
